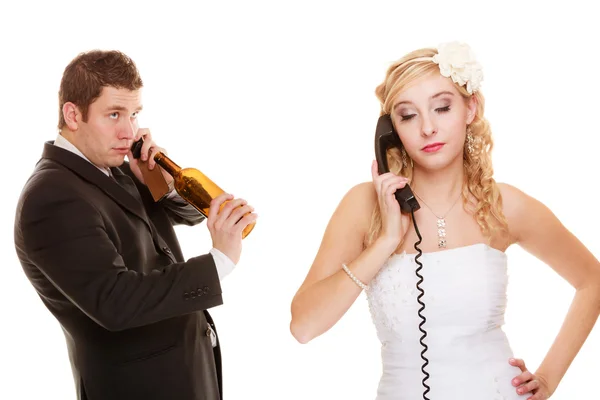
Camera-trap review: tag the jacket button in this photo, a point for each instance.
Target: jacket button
(166, 250)
(186, 296)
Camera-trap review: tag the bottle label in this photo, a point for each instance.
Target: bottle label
(154, 179)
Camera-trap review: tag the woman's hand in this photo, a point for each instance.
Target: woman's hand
(527, 382)
(394, 223)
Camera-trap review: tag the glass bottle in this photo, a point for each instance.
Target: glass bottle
(194, 187)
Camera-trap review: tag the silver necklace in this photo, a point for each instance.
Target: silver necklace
(441, 221)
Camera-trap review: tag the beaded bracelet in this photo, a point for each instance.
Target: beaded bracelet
(354, 278)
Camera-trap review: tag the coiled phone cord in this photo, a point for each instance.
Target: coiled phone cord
(423, 319)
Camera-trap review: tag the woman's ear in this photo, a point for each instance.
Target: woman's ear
(472, 109)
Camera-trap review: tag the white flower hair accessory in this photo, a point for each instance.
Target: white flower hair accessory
(457, 61)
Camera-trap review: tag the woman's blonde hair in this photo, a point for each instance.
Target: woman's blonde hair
(479, 183)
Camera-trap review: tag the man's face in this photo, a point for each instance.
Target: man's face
(111, 127)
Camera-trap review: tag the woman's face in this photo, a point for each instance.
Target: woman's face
(431, 117)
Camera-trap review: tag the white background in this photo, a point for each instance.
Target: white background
(275, 102)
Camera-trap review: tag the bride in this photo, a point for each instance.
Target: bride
(439, 313)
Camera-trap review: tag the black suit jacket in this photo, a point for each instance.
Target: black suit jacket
(109, 267)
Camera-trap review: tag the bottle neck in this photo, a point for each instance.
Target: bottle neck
(167, 164)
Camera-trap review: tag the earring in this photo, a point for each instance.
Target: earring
(404, 158)
(470, 141)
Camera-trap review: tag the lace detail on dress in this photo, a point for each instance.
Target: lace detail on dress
(465, 302)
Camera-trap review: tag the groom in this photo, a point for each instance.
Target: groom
(103, 255)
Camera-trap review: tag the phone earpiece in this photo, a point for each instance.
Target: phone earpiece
(136, 148)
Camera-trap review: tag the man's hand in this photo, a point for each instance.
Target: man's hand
(226, 225)
(149, 150)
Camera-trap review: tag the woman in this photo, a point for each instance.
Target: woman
(433, 99)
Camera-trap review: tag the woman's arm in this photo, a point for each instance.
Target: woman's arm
(328, 292)
(538, 231)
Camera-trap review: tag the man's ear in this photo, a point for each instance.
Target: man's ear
(72, 116)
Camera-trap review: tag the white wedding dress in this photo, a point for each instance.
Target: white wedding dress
(465, 300)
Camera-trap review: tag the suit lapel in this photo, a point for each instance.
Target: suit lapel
(90, 173)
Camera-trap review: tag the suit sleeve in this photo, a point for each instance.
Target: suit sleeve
(181, 212)
(78, 257)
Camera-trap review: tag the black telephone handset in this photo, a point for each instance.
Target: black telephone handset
(386, 137)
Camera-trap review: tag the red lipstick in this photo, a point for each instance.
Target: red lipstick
(433, 147)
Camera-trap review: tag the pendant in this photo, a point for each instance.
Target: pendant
(441, 223)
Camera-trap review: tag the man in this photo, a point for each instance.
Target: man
(103, 255)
